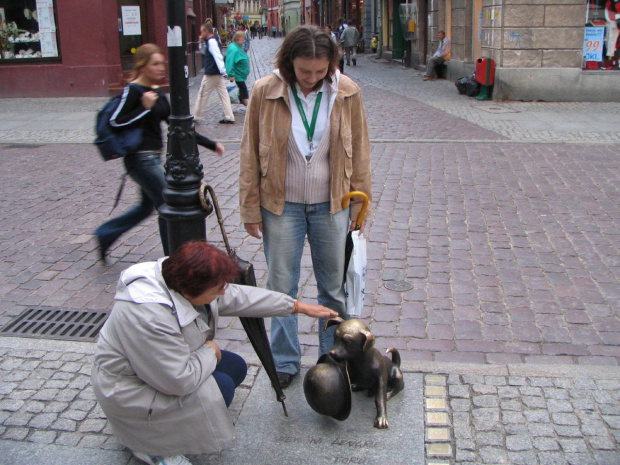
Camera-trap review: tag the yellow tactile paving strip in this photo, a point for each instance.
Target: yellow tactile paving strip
(437, 420)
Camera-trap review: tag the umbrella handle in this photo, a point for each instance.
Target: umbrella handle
(209, 208)
(362, 214)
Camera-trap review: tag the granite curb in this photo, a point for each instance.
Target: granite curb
(540, 370)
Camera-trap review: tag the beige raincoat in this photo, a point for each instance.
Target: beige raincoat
(152, 370)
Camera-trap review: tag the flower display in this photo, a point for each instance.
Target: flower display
(7, 34)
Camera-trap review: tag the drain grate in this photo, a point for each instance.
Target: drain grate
(66, 325)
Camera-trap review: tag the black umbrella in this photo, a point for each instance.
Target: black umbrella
(254, 327)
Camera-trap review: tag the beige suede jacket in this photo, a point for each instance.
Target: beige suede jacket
(264, 148)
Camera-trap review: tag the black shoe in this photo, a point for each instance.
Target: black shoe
(354, 62)
(103, 249)
(285, 379)
(226, 121)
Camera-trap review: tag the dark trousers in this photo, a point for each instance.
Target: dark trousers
(229, 374)
(146, 170)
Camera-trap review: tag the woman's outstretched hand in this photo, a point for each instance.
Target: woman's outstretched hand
(316, 311)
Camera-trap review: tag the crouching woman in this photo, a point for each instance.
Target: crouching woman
(162, 382)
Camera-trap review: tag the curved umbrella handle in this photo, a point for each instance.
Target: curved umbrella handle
(362, 214)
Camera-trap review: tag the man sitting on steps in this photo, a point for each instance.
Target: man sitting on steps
(443, 53)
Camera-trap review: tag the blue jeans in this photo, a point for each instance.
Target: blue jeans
(229, 374)
(145, 169)
(283, 239)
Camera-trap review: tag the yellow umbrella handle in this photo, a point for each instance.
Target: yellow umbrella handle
(362, 214)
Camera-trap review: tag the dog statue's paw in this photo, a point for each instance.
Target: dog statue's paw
(382, 423)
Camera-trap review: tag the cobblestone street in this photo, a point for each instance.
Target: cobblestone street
(493, 266)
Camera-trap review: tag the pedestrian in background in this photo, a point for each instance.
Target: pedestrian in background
(443, 53)
(238, 65)
(305, 145)
(145, 104)
(162, 382)
(340, 51)
(214, 69)
(350, 38)
(246, 45)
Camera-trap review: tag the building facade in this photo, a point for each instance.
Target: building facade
(247, 12)
(72, 48)
(550, 50)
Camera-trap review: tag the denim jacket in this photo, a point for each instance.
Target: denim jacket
(264, 148)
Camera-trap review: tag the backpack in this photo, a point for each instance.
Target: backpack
(114, 142)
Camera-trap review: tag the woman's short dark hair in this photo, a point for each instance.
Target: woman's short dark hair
(306, 42)
(197, 266)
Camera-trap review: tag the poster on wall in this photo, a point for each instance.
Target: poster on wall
(47, 28)
(603, 34)
(593, 43)
(131, 20)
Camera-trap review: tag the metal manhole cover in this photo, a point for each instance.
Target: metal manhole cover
(398, 286)
(66, 325)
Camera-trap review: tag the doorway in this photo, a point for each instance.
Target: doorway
(132, 29)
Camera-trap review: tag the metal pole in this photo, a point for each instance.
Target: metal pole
(182, 210)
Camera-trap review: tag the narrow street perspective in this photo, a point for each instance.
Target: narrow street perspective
(493, 268)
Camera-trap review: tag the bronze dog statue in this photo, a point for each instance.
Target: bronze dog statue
(368, 369)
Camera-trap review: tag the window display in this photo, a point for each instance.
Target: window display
(27, 29)
(601, 48)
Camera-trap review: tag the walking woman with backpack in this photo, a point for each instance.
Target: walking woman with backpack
(145, 104)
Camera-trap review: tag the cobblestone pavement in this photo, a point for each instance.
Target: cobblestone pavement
(493, 267)
(514, 414)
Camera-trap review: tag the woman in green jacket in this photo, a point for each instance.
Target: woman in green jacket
(238, 65)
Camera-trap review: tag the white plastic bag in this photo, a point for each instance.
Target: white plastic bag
(233, 92)
(355, 283)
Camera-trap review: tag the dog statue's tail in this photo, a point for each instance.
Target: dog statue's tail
(395, 355)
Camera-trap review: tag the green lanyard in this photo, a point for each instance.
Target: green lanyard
(309, 129)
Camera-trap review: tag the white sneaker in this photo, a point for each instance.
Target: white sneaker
(159, 460)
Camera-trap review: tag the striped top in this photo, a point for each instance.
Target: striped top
(307, 182)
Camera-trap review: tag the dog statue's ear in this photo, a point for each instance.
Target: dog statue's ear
(332, 322)
(370, 339)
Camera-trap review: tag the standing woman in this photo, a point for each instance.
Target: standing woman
(305, 145)
(144, 104)
(238, 65)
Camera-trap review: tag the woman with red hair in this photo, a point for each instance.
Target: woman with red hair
(162, 382)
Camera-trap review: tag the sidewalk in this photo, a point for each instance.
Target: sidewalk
(487, 414)
(494, 270)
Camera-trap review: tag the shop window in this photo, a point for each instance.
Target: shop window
(601, 45)
(28, 30)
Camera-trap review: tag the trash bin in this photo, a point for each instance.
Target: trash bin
(485, 75)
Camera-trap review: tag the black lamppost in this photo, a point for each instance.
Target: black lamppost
(182, 210)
